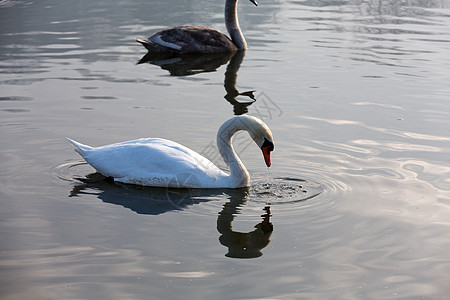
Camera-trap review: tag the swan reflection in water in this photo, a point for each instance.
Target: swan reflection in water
(156, 201)
(243, 244)
(190, 64)
(187, 64)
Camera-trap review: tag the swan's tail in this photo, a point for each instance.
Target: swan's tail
(164, 47)
(143, 42)
(147, 44)
(79, 148)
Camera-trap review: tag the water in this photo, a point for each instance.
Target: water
(355, 205)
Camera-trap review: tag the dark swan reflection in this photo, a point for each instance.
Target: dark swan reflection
(156, 201)
(187, 64)
(190, 64)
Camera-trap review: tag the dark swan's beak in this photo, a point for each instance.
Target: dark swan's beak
(266, 148)
(254, 2)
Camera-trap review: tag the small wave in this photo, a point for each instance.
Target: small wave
(73, 171)
(285, 190)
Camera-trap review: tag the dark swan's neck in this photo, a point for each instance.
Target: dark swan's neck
(232, 23)
(239, 175)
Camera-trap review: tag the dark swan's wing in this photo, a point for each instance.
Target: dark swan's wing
(189, 39)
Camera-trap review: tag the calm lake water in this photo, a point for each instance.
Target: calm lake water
(355, 205)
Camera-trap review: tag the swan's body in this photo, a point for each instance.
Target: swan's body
(163, 163)
(196, 39)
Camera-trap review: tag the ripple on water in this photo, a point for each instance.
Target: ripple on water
(298, 193)
(285, 190)
(72, 171)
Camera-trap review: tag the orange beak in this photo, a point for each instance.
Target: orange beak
(266, 153)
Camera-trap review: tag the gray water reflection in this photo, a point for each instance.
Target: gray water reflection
(360, 106)
(243, 244)
(381, 32)
(191, 64)
(239, 107)
(156, 201)
(142, 200)
(187, 64)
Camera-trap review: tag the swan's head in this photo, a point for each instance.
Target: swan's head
(257, 129)
(261, 135)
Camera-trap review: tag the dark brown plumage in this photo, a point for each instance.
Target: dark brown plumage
(189, 39)
(196, 39)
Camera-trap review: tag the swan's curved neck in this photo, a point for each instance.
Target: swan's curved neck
(239, 176)
(232, 23)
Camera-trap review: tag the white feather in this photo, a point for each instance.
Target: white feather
(158, 40)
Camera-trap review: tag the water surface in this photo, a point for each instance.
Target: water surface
(355, 205)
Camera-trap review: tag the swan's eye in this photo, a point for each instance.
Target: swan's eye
(268, 144)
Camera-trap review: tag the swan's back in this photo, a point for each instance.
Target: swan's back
(188, 39)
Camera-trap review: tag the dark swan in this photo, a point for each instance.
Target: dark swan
(198, 39)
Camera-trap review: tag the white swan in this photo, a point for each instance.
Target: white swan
(196, 39)
(163, 163)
